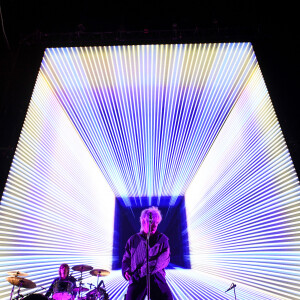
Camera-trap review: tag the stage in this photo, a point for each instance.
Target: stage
(190, 284)
(189, 128)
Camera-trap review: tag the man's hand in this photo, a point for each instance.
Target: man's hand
(127, 276)
(135, 276)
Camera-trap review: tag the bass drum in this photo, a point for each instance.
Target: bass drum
(62, 290)
(36, 297)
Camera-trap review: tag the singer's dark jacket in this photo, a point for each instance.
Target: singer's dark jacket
(134, 259)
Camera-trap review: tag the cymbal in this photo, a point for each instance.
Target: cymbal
(82, 289)
(22, 282)
(99, 272)
(82, 268)
(17, 273)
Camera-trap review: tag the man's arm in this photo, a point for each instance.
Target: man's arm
(163, 259)
(126, 262)
(73, 281)
(50, 290)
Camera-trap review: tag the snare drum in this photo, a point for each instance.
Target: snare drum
(92, 295)
(95, 294)
(63, 290)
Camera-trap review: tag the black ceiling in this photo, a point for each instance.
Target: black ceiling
(27, 27)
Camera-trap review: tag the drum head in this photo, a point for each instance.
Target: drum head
(63, 296)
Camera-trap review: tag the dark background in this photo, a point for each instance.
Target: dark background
(173, 224)
(28, 27)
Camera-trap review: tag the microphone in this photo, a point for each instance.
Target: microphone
(231, 287)
(150, 218)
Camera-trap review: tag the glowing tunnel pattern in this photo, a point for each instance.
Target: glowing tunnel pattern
(57, 207)
(156, 120)
(243, 204)
(145, 112)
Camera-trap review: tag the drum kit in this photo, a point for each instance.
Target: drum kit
(63, 289)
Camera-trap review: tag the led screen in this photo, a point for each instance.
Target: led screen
(243, 204)
(112, 126)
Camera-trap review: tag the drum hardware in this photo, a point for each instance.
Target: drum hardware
(92, 295)
(17, 273)
(98, 293)
(102, 291)
(90, 284)
(81, 269)
(20, 282)
(99, 273)
(34, 294)
(80, 289)
(99, 285)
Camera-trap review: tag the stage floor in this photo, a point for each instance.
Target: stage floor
(190, 284)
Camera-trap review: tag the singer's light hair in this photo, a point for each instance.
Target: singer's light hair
(156, 215)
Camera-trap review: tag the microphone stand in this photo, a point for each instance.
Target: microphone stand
(232, 287)
(147, 257)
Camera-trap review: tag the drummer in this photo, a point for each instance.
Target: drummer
(63, 277)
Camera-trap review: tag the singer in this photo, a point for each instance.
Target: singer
(134, 263)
